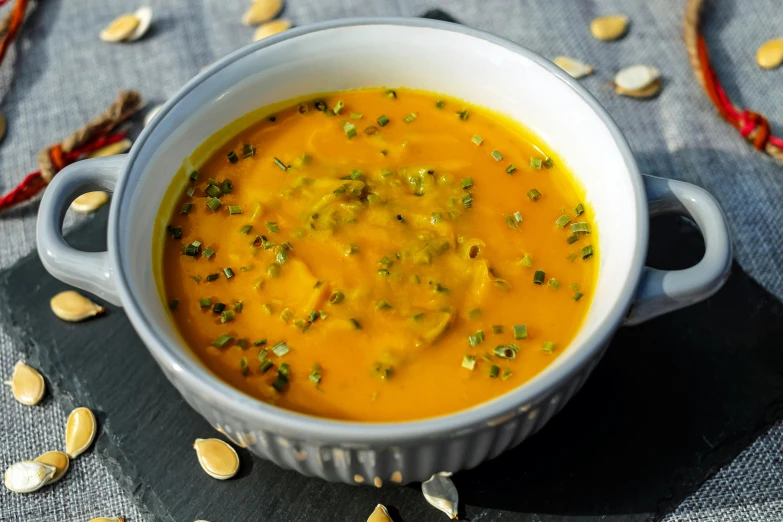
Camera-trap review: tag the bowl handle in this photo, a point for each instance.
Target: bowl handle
(662, 291)
(90, 271)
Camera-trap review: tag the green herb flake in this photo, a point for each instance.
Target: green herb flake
(222, 341)
(272, 227)
(526, 261)
(506, 374)
(497, 328)
(578, 296)
(469, 362)
(440, 104)
(213, 204)
(536, 163)
(494, 371)
(548, 347)
(280, 164)
(533, 194)
(226, 316)
(562, 221)
(338, 107)
(409, 118)
(463, 114)
(477, 140)
(573, 238)
(511, 169)
(467, 183)
(206, 302)
(587, 252)
(232, 157)
(336, 297)
(497, 156)
(538, 277)
(350, 130)
(579, 210)
(382, 120)
(580, 228)
(234, 210)
(520, 331)
(186, 207)
(553, 283)
(245, 230)
(476, 338)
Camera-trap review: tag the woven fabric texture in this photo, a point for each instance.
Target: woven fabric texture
(59, 74)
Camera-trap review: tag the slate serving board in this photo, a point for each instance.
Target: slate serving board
(672, 401)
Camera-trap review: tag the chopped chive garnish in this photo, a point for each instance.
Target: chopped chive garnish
(315, 373)
(186, 207)
(474, 313)
(467, 201)
(573, 286)
(518, 217)
(232, 157)
(469, 362)
(391, 94)
(226, 187)
(173, 304)
(505, 352)
(228, 273)
(497, 328)
(579, 210)
(194, 175)
(511, 169)
(280, 382)
(280, 164)
(580, 228)
(212, 182)
(190, 250)
(213, 191)
(548, 347)
(526, 261)
(226, 316)
(208, 253)
(320, 105)
(287, 245)
(234, 209)
(272, 227)
(409, 118)
(415, 279)
(436, 216)
(213, 204)
(318, 284)
(506, 374)
(338, 107)
(510, 221)
(222, 341)
(463, 114)
(356, 324)
(533, 194)
(190, 191)
(494, 371)
(467, 183)
(476, 338)
(477, 139)
(350, 130)
(196, 278)
(383, 304)
(339, 191)
(383, 271)
(587, 252)
(248, 150)
(417, 317)
(238, 306)
(281, 348)
(548, 163)
(218, 308)
(538, 277)
(176, 232)
(520, 331)
(336, 297)
(553, 283)
(573, 238)
(439, 288)
(496, 155)
(535, 163)
(356, 115)
(243, 366)
(246, 268)
(382, 120)
(273, 270)
(562, 221)
(268, 308)
(205, 302)
(386, 262)
(440, 104)
(266, 364)
(371, 130)
(245, 229)
(578, 296)
(572, 257)
(281, 255)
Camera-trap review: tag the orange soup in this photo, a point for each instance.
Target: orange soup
(378, 255)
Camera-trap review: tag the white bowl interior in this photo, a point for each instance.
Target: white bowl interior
(438, 60)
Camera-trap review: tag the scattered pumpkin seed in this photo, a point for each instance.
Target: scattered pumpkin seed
(27, 476)
(79, 431)
(59, 461)
(639, 81)
(380, 514)
(648, 92)
(27, 384)
(262, 11)
(112, 149)
(770, 54)
(151, 114)
(90, 201)
(144, 15)
(270, 28)
(609, 27)
(441, 493)
(573, 67)
(120, 29)
(217, 458)
(72, 306)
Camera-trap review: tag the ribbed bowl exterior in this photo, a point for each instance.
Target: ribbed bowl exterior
(385, 464)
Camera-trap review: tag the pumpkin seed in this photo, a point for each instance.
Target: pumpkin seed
(108, 519)
(636, 77)
(770, 54)
(59, 461)
(79, 431)
(72, 306)
(217, 458)
(648, 92)
(144, 15)
(26, 384)
(120, 29)
(151, 114)
(573, 67)
(270, 28)
(262, 11)
(2, 126)
(609, 27)
(380, 514)
(27, 476)
(396, 477)
(111, 149)
(441, 493)
(90, 201)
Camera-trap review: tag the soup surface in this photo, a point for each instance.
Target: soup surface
(378, 255)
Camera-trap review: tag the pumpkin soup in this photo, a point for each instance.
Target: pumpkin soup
(378, 255)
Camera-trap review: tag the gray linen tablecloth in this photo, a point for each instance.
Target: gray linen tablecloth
(60, 74)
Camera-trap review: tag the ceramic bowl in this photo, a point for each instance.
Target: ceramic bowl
(422, 54)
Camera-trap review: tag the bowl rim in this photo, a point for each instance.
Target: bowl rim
(256, 414)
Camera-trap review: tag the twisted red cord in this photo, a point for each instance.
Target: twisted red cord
(33, 183)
